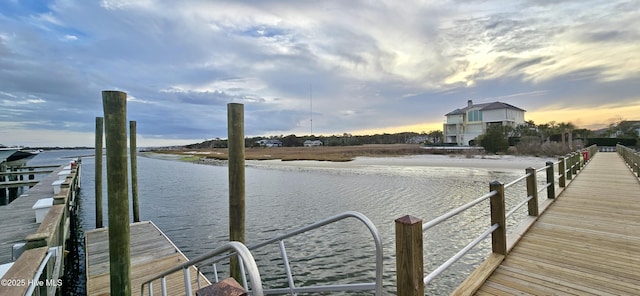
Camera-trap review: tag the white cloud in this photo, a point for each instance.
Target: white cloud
(370, 64)
(69, 38)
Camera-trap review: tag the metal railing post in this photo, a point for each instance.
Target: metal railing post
(532, 190)
(498, 216)
(187, 281)
(551, 182)
(409, 256)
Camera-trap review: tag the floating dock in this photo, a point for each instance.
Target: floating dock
(152, 253)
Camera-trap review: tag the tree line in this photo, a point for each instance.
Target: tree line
(555, 138)
(346, 139)
(527, 138)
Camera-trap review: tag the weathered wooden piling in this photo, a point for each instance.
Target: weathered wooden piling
(236, 180)
(133, 153)
(98, 171)
(115, 116)
(409, 256)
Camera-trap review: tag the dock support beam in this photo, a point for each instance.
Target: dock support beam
(498, 216)
(98, 171)
(563, 172)
(532, 190)
(551, 181)
(115, 116)
(236, 181)
(409, 256)
(133, 153)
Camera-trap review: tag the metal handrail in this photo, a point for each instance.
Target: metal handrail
(516, 180)
(518, 206)
(459, 255)
(216, 255)
(52, 252)
(239, 248)
(494, 227)
(454, 212)
(377, 285)
(477, 240)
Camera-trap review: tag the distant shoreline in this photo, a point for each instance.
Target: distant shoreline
(321, 153)
(353, 156)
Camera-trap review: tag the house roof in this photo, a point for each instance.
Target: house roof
(485, 106)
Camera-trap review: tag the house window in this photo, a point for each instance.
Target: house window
(474, 115)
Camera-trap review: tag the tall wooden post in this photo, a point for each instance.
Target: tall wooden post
(133, 153)
(551, 181)
(409, 257)
(98, 170)
(532, 190)
(236, 180)
(115, 116)
(498, 215)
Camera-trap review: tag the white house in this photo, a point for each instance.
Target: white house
(314, 143)
(466, 124)
(269, 143)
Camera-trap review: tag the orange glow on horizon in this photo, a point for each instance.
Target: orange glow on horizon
(587, 118)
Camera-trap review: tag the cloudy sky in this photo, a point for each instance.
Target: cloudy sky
(366, 66)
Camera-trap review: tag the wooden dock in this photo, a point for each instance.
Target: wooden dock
(152, 252)
(17, 219)
(586, 243)
(39, 265)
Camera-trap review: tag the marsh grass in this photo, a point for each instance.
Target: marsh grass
(327, 153)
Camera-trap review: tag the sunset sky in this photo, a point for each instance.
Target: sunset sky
(369, 66)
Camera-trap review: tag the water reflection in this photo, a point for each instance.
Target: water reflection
(189, 202)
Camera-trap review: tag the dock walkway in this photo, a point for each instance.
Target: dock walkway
(17, 219)
(151, 253)
(586, 243)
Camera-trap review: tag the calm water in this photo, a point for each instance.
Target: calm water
(189, 202)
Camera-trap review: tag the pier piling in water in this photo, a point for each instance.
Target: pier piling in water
(236, 181)
(115, 116)
(98, 170)
(134, 170)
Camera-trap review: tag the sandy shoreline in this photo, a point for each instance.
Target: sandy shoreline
(480, 162)
(495, 162)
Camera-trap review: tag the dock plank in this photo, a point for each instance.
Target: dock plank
(151, 253)
(586, 243)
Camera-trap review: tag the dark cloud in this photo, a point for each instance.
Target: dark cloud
(366, 64)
